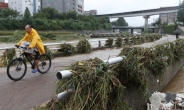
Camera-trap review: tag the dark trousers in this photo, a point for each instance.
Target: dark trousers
(177, 36)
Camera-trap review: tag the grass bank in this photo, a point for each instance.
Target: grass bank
(47, 36)
(11, 32)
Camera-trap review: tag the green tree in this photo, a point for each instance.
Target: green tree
(120, 22)
(28, 18)
(157, 22)
(71, 15)
(41, 24)
(60, 24)
(180, 14)
(27, 14)
(53, 25)
(115, 23)
(7, 12)
(49, 13)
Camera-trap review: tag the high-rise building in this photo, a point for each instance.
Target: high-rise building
(64, 5)
(91, 12)
(20, 5)
(169, 18)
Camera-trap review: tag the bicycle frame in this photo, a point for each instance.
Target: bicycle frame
(20, 63)
(22, 56)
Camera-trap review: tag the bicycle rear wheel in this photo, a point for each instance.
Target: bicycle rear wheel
(16, 69)
(44, 64)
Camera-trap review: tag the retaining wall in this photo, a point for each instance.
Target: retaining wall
(135, 98)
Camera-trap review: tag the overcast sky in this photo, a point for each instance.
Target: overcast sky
(116, 6)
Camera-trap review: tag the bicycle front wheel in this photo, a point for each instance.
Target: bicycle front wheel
(44, 63)
(16, 69)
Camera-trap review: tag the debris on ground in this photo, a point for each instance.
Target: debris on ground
(166, 101)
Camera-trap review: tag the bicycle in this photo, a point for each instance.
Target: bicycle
(18, 64)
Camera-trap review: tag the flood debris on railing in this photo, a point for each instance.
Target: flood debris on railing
(67, 73)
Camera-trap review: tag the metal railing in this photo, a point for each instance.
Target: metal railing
(94, 44)
(67, 73)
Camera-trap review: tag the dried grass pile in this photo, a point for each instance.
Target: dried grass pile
(109, 42)
(97, 88)
(67, 50)
(8, 55)
(140, 62)
(119, 42)
(84, 46)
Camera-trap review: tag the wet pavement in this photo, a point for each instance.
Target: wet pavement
(35, 89)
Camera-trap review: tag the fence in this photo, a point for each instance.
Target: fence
(55, 46)
(67, 73)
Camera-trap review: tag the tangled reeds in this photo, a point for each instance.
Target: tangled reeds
(8, 55)
(97, 88)
(140, 62)
(109, 42)
(119, 42)
(100, 86)
(67, 50)
(84, 46)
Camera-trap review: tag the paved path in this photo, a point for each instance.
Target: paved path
(35, 89)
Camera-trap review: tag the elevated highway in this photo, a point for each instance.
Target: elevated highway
(145, 13)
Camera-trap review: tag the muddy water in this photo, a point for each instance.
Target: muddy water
(176, 85)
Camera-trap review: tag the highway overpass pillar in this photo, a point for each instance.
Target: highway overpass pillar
(146, 22)
(132, 31)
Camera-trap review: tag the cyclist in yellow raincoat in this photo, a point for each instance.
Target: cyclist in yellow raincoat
(35, 41)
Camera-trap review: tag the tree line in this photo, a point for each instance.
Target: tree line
(51, 19)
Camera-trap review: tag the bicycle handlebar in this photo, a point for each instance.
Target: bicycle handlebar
(23, 47)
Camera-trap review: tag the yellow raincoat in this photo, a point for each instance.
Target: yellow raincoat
(34, 40)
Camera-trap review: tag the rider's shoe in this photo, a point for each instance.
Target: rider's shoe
(34, 71)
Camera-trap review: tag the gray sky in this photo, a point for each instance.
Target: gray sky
(116, 6)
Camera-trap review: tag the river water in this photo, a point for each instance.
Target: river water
(176, 85)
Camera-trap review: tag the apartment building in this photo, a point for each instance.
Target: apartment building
(20, 5)
(64, 5)
(169, 18)
(91, 12)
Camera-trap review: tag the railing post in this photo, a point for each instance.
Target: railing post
(99, 45)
